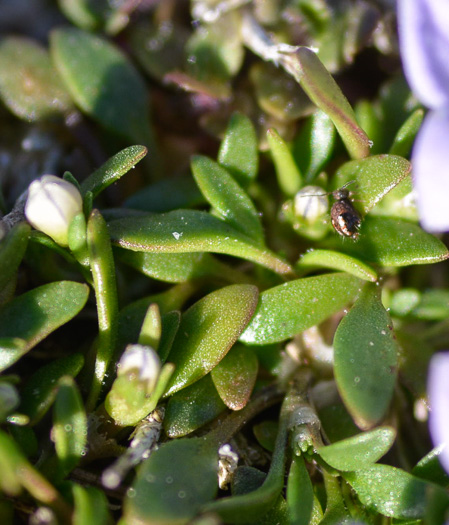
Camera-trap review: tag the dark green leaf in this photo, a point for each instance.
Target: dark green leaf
(403, 141)
(150, 333)
(192, 407)
(103, 83)
(184, 231)
(288, 309)
(90, 506)
(228, 200)
(360, 451)
(391, 491)
(394, 242)
(365, 359)
(336, 261)
(12, 250)
(208, 330)
(265, 433)
(113, 169)
(374, 177)
(37, 313)
(239, 150)
(40, 391)
(69, 425)
(29, 85)
(173, 483)
(299, 493)
(235, 375)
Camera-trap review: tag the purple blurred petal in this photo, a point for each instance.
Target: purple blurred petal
(438, 392)
(430, 163)
(424, 41)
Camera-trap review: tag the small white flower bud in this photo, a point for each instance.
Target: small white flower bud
(311, 203)
(142, 362)
(51, 205)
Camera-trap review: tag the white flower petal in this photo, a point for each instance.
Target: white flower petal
(430, 163)
(438, 392)
(424, 43)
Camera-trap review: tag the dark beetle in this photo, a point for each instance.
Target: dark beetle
(344, 217)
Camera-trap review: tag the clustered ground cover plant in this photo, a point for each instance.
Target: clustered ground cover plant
(185, 334)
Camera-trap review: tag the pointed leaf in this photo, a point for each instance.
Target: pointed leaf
(227, 198)
(37, 313)
(288, 309)
(184, 231)
(239, 150)
(405, 137)
(288, 174)
(103, 83)
(173, 483)
(322, 89)
(299, 493)
(113, 169)
(365, 359)
(235, 375)
(374, 177)
(393, 242)
(208, 330)
(29, 85)
(359, 451)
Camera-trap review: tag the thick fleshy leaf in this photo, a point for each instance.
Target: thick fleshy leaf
(184, 231)
(173, 483)
(228, 200)
(69, 425)
(299, 493)
(288, 309)
(12, 250)
(90, 506)
(105, 286)
(103, 83)
(265, 433)
(374, 177)
(208, 330)
(314, 144)
(29, 85)
(288, 174)
(235, 375)
(359, 451)
(37, 313)
(322, 89)
(392, 491)
(150, 333)
(192, 407)
(336, 261)
(404, 138)
(430, 468)
(113, 169)
(393, 242)
(239, 150)
(365, 359)
(40, 391)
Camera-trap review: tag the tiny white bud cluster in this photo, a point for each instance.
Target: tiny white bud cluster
(143, 362)
(311, 203)
(51, 205)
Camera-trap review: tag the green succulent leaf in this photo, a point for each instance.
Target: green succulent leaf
(207, 331)
(228, 200)
(41, 389)
(322, 89)
(173, 483)
(405, 137)
(366, 359)
(392, 491)
(192, 407)
(393, 242)
(103, 83)
(235, 375)
(288, 174)
(35, 314)
(113, 169)
(12, 250)
(69, 425)
(184, 231)
(29, 85)
(90, 506)
(238, 152)
(358, 452)
(374, 177)
(299, 492)
(290, 308)
(336, 261)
